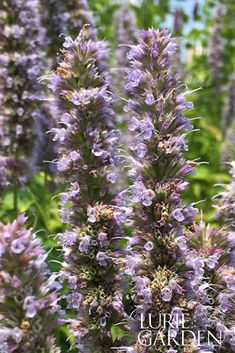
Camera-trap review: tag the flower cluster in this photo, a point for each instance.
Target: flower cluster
(216, 45)
(61, 18)
(21, 61)
(87, 146)
(28, 293)
(156, 262)
(66, 17)
(211, 284)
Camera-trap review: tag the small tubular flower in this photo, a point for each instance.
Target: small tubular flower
(87, 144)
(28, 306)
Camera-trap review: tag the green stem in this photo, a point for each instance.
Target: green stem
(45, 179)
(15, 200)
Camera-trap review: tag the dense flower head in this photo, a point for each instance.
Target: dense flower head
(28, 292)
(155, 111)
(216, 45)
(87, 144)
(21, 61)
(211, 282)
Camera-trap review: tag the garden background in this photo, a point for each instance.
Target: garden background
(201, 33)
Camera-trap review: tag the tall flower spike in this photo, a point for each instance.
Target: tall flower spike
(216, 45)
(155, 109)
(211, 285)
(86, 147)
(28, 306)
(61, 18)
(21, 61)
(228, 114)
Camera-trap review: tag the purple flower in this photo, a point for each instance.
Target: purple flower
(102, 258)
(178, 215)
(30, 306)
(141, 194)
(197, 264)
(146, 128)
(140, 149)
(102, 237)
(91, 214)
(84, 244)
(134, 124)
(182, 243)
(75, 156)
(149, 246)
(166, 294)
(149, 100)
(28, 291)
(225, 302)
(74, 300)
(69, 237)
(63, 164)
(68, 42)
(21, 65)
(112, 177)
(17, 247)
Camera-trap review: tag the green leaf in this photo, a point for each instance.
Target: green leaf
(118, 333)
